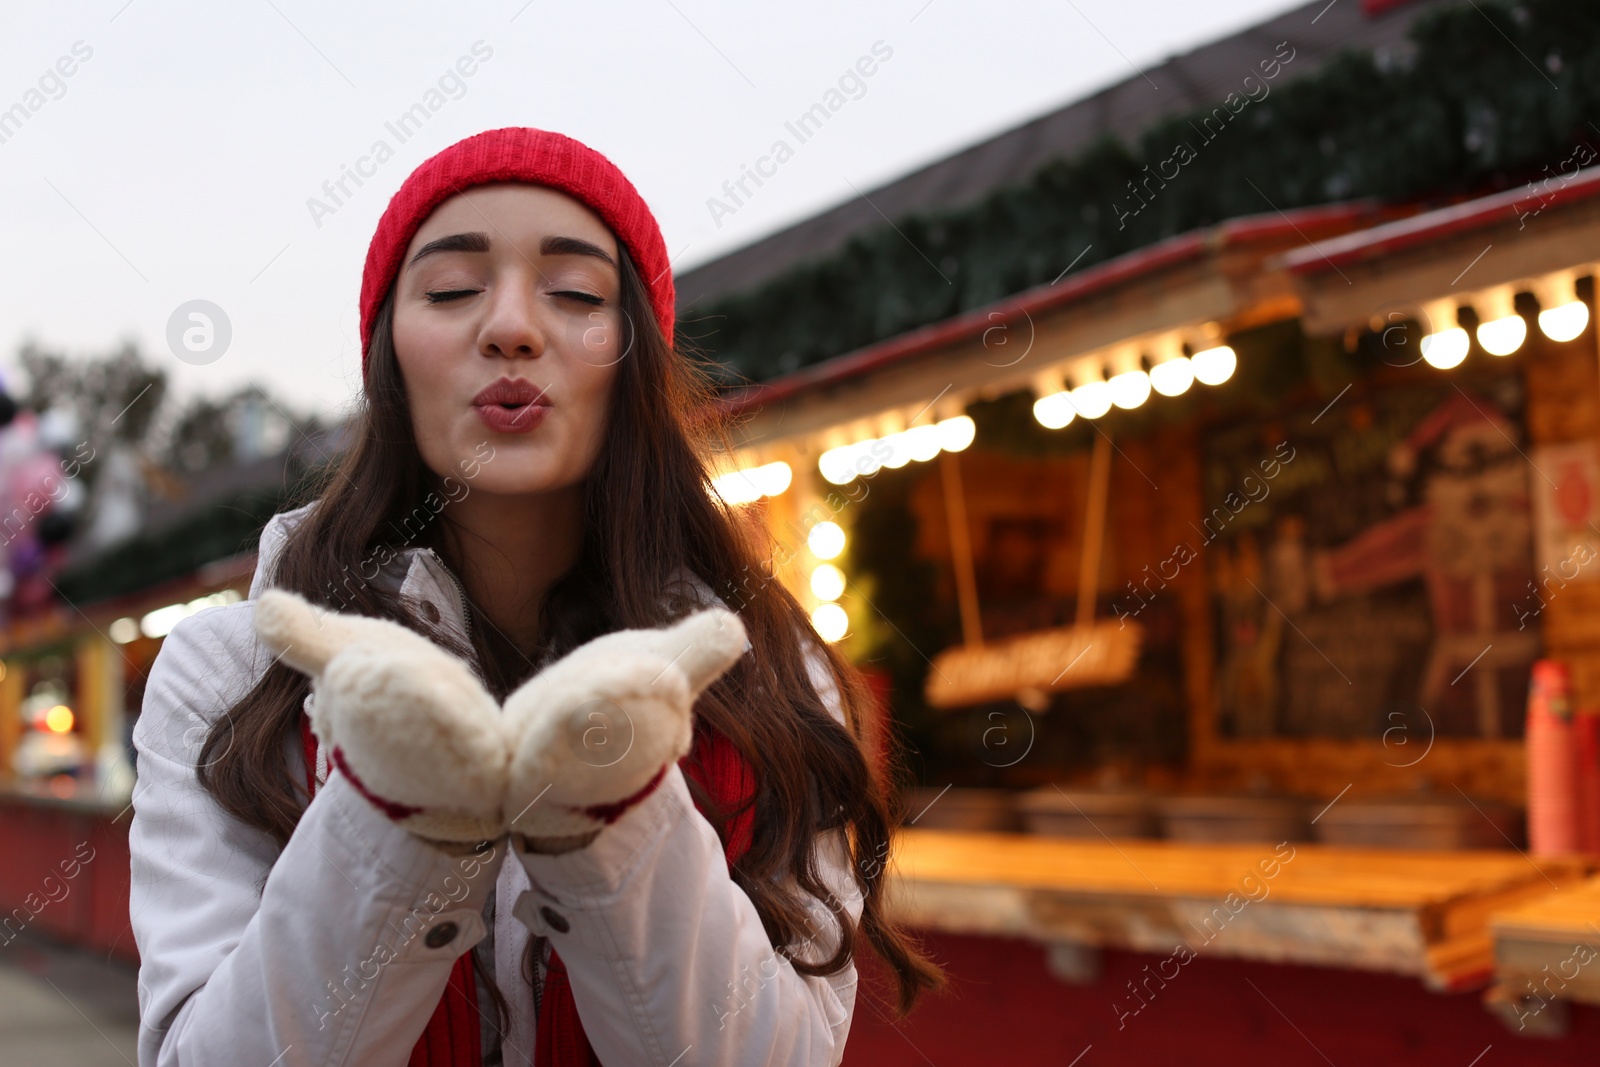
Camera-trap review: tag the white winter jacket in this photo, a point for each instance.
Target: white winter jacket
(335, 949)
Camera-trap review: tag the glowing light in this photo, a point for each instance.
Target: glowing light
(922, 442)
(838, 465)
(1213, 366)
(752, 483)
(58, 720)
(123, 630)
(826, 540)
(1446, 349)
(1565, 322)
(830, 622)
(956, 433)
(1054, 411)
(1092, 399)
(827, 582)
(1129, 389)
(899, 454)
(1172, 377)
(1503, 336)
(159, 623)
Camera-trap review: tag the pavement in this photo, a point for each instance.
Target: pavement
(61, 1007)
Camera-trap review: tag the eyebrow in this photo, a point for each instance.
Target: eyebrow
(477, 241)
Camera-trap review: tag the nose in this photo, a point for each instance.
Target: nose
(513, 329)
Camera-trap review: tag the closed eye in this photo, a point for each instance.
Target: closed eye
(444, 296)
(587, 298)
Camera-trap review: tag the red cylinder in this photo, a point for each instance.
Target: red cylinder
(1553, 824)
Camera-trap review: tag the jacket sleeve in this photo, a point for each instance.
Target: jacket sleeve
(333, 951)
(667, 957)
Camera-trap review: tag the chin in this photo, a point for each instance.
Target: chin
(525, 479)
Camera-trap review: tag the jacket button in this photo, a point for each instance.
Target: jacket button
(430, 611)
(441, 935)
(557, 921)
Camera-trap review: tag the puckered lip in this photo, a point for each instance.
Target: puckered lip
(513, 392)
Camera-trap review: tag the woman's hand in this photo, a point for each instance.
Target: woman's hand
(407, 722)
(594, 732)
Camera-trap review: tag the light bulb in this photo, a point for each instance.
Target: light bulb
(1054, 411)
(1172, 377)
(1564, 322)
(752, 483)
(1130, 389)
(956, 433)
(773, 478)
(899, 454)
(1446, 349)
(1092, 399)
(827, 582)
(830, 622)
(838, 465)
(1503, 336)
(826, 540)
(1213, 366)
(868, 456)
(922, 442)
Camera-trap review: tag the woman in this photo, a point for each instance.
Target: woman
(526, 475)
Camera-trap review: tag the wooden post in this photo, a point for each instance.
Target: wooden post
(1094, 526)
(10, 713)
(955, 510)
(98, 701)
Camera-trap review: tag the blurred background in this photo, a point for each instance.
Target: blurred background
(1185, 418)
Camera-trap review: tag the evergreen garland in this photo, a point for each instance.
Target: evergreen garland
(1488, 96)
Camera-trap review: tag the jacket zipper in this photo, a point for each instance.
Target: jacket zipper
(461, 595)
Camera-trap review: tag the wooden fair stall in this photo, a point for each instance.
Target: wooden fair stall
(1241, 543)
(72, 680)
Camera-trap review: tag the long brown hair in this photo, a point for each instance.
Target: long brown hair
(650, 515)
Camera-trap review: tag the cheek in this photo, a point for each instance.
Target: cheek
(425, 362)
(593, 388)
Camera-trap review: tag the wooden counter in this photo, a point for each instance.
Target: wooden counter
(1551, 946)
(1418, 913)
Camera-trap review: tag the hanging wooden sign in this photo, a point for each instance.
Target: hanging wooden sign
(1046, 661)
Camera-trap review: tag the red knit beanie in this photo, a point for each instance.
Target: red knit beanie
(518, 154)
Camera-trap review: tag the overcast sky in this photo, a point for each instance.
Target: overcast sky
(177, 160)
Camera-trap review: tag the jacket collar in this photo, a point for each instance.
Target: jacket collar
(414, 572)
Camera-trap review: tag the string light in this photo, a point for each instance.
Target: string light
(826, 540)
(1092, 398)
(1172, 377)
(830, 622)
(1501, 331)
(1213, 366)
(827, 582)
(1129, 389)
(1446, 344)
(1563, 316)
(1564, 322)
(750, 484)
(1054, 411)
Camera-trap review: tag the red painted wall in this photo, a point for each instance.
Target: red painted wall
(65, 873)
(1006, 1008)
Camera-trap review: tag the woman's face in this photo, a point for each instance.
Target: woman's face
(509, 281)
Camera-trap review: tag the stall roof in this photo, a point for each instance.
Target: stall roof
(1258, 232)
(1317, 30)
(1432, 226)
(1458, 253)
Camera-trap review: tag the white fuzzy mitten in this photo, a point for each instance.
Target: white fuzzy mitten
(407, 722)
(594, 732)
